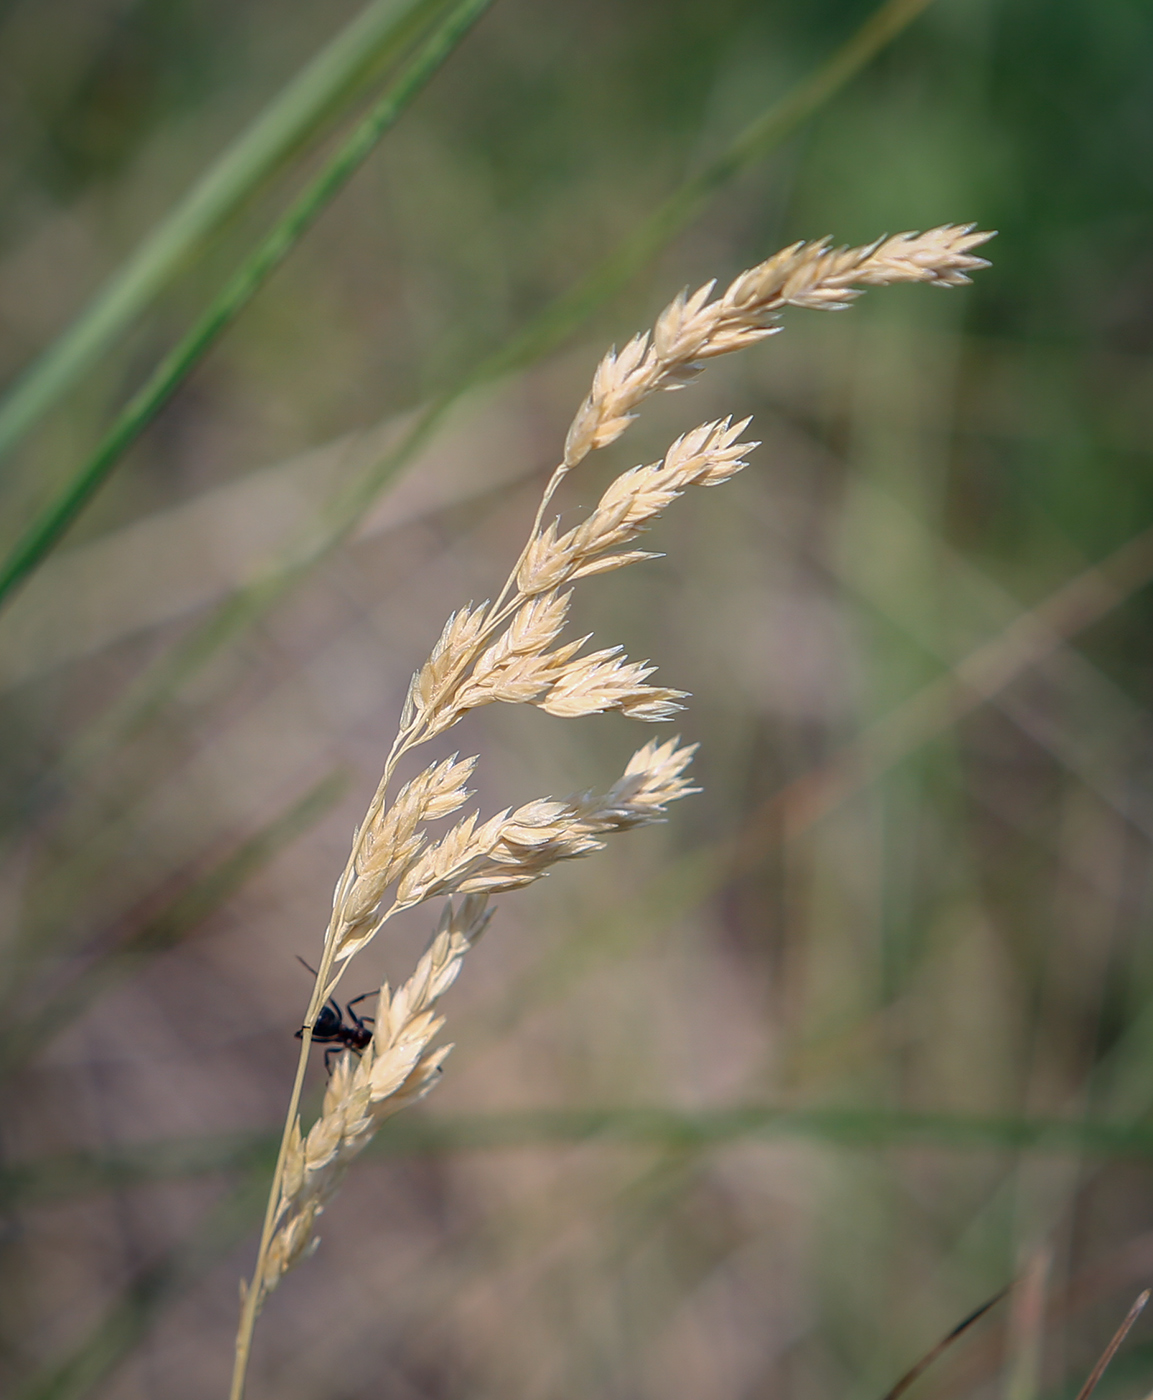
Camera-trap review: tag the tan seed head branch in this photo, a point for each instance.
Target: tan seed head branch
(509, 651)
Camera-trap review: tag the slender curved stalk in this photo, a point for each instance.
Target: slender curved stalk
(915, 1372)
(375, 38)
(50, 525)
(255, 1293)
(323, 987)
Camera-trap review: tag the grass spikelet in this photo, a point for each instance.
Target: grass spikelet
(692, 329)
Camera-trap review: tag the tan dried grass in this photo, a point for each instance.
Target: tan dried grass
(506, 651)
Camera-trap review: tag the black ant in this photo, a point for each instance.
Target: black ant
(330, 1028)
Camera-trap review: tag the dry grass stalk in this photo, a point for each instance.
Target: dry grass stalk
(507, 651)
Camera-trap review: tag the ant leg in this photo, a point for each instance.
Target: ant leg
(360, 1020)
(328, 1054)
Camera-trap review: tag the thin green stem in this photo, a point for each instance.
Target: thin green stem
(47, 529)
(374, 39)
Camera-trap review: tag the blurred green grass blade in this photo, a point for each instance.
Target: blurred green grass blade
(670, 1128)
(167, 926)
(125, 1325)
(543, 333)
(48, 527)
(374, 39)
(128, 1321)
(419, 1134)
(755, 142)
(73, 1174)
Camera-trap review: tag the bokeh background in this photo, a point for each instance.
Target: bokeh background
(755, 1104)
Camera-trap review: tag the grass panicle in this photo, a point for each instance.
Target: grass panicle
(509, 651)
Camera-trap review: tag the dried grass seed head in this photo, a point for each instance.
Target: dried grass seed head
(692, 329)
(501, 653)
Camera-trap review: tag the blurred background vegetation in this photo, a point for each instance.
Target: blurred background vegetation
(756, 1104)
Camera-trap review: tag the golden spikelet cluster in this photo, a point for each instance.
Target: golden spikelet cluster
(506, 652)
(396, 1068)
(692, 329)
(509, 651)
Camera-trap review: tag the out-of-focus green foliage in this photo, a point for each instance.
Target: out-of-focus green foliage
(797, 1082)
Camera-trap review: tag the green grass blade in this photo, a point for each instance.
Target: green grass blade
(47, 529)
(666, 1128)
(71, 1174)
(374, 39)
(756, 141)
(25, 1036)
(546, 331)
(419, 1134)
(132, 1316)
